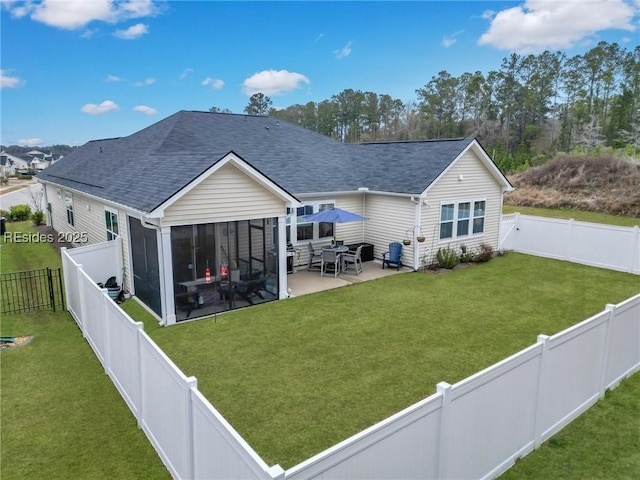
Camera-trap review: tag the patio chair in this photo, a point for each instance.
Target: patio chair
(315, 257)
(251, 286)
(394, 254)
(352, 258)
(330, 261)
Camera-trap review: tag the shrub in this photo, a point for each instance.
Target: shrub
(37, 217)
(5, 214)
(466, 257)
(20, 212)
(447, 258)
(484, 253)
(4, 180)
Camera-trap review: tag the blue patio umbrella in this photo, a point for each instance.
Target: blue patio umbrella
(334, 215)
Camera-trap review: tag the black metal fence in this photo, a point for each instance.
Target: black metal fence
(31, 290)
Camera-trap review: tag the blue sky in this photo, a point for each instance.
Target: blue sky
(77, 70)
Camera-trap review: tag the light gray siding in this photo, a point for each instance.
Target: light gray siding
(466, 180)
(88, 215)
(89, 220)
(389, 219)
(226, 195)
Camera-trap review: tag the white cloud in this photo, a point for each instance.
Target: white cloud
(104, 107)
(449, 40)
(146, 83)
(113, 78)
(273, 82)
(7, 81)
(30, 141)
(75, 14)
(133, 32)
(144, 109)
(539, 25)
(186, 73)
(215, 83)
(343, 52)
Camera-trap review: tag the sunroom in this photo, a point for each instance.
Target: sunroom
(222, 242)
(222, 266)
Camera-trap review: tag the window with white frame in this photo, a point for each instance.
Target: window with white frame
(461, 219)
(68, 201)
(111, 222)
(304, 230)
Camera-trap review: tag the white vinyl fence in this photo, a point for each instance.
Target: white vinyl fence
(191, 437)
(605, 246)
(474, 429)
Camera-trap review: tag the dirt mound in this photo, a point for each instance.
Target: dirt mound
(604, 183)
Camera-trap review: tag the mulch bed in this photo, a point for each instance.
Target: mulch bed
(55, 243)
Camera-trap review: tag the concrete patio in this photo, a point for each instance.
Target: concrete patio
(303, 282)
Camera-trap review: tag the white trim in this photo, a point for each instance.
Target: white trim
(316, 225)
(454, 229)
(235, 160)
(115, 212)
(127, 209)
(68, 206)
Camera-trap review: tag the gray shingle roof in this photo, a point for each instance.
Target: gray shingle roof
(148, 167)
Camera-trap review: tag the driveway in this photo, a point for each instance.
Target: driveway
(19, 192)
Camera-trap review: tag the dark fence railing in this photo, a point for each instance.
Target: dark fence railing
(31, 290)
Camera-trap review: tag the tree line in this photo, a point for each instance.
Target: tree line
(533, 107)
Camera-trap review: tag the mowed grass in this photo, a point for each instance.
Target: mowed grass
(298, 376)
(593, 217)
(61, 416)
(603, 443)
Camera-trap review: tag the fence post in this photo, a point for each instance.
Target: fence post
(276, 472)
(105, 325)
(52, 298)
(66, 273)
(538, 428)
(62, 292)
(140, 372)
(191, 383)
(569, 240)
(635, 254)
(607, 348)
(81, 306)
(444, 389)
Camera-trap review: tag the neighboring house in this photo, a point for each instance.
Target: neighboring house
(6, 165)
(41, 160)
(12, 164)
(34, 160)
(204, 199)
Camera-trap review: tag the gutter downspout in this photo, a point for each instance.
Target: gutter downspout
(163, 241)
(417, 215)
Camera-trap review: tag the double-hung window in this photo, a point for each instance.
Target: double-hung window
(111, 221)
(461, 219)
(68, 201)
(306, 231)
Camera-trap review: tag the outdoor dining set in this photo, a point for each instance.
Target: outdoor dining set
(336, 259)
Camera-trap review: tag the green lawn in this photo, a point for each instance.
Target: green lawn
(297, 376)
(575, 214)
(61, 416)
(603, 443)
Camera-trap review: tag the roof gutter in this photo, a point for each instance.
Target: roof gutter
(359, 191)
(94, 197)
